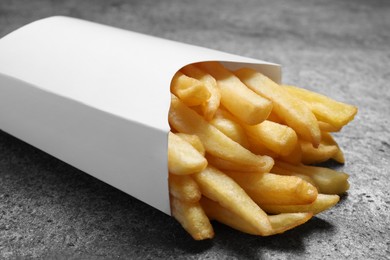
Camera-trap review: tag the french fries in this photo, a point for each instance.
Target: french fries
(232, 166)
(240, 150)
(325, 109)
(184, 188)
(328, 139)
(229, 127)
(280, 223)
(322, 153)
(212, 104)
(191, 91)
(187, 121)
(183, 158)
(326, 180)
(285, 221)
(322, 203)
(192, 218)
(217, 186)
(236, 97)
(278, 138)
(194, 141)
(289, 108)
(269, 188)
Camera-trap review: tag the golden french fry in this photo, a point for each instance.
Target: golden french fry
(254, 143)
(216, 212)
(217, 186)
(269, 188)
(322, 153)
(286, 221)
(295, 157)
(230, 128)
(325, 109)
(275, 118)
(194, 141)
(280, 139)
(339, 156)
(327, 181)
(212, 104)
(184, 188)
(236, 97)
(185, 120)
(322, 203)
(280, 223)
(191, 91)
(326, 127)
(306, 178)
(258, 148)
(328, 139)
(192, 218)
(232, 166)
(183, 158)
(293, 111)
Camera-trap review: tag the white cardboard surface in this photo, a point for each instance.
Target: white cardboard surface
(97, 97)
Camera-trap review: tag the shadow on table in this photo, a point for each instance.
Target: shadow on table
(234, 243)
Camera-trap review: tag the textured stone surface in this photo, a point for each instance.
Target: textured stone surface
(49, 209)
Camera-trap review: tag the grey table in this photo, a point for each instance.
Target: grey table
(49, 209)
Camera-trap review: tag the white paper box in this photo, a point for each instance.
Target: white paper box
(98, 97)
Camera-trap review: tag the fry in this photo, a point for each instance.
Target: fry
(183, 158)
(184, 188)
(232, 166)
(293, 111)
(286, 221)
(328, 181)
(191, 91)
(322, 203)
(322, 153)
(328, 139)
(192, 218)
(278, 138)
(216, 212)
(275, 118)
(295, 157)
(336, 113)
(326, 127)
(248, 142)
(215, 142)
(280, 223)
(258, 148)
(194, 141)
(269, 188)
(242, 102)
(212, 104)
(230, 128)
(219, 187)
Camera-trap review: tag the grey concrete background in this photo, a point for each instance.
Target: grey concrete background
(341, 48)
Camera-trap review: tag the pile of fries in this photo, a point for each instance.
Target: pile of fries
(242, 148)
